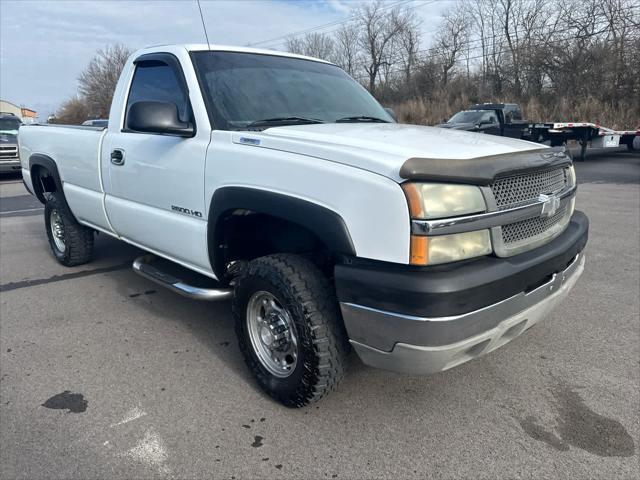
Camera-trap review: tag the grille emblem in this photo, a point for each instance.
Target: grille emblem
(550, 204)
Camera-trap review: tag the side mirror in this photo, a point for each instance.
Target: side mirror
(486, 122)
(391, 113)
(158, 117)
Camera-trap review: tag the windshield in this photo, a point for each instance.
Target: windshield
(10, 125)
(245, 88)
(470, 116)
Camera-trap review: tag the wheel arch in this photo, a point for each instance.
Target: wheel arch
(37, 162)
(328, 226)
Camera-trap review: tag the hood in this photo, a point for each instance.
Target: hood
(382, 148)
(8, 137)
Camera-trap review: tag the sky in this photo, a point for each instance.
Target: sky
(45, 44)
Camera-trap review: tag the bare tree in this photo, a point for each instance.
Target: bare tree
(475, 10)
(558, 58)
(319, 45)
(510, 30)
(98, 81)
(379, 29)
(408, 44)
(535, 21)
(621, 25)
(346, 47)
(295, 45)
(72, 112)
(450, 41)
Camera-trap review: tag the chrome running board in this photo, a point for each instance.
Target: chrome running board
(142, 266)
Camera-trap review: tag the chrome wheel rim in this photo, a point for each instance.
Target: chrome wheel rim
(272, 334)
(57, 229)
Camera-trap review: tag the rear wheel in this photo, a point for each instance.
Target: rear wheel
(289, 329)
(71, 243)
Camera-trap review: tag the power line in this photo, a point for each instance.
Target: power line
(282, 38)
(320, 27)
(504, 50)
(423, 3)
(501, 37)
(537, 29)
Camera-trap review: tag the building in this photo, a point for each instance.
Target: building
(28, 115)
(25, 114)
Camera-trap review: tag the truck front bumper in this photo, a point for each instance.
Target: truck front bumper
(9, 165)
(441, 317)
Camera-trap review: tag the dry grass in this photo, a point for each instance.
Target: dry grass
(589, 109)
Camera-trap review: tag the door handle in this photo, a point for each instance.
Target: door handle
(117, 157)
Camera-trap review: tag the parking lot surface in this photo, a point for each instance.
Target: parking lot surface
(103, 374)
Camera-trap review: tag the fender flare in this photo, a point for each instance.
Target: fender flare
(326, 224)
(41, 160)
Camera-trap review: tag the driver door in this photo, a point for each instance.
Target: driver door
(155, 190)
(493, 127)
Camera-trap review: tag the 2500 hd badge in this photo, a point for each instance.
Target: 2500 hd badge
(188, 211)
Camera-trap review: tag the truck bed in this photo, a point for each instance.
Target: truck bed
(76, 150)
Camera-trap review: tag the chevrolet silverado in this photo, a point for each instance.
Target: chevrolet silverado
(279, 182)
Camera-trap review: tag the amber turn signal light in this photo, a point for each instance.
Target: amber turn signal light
(419, 251)
(413, 199)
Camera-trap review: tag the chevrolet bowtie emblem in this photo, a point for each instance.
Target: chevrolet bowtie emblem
(550, 204)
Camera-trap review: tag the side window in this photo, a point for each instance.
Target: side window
(157, 82)
(488, 117)
(517, 114)
(512, 113)
(507, 115)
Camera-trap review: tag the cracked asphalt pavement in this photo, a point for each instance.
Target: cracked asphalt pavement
(103, 374)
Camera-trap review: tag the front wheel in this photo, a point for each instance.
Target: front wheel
(71, 243)
(289, 329)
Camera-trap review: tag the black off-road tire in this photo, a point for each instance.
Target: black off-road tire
(78, 239)
(301, 288)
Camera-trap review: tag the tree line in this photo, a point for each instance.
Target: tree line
(560, 59)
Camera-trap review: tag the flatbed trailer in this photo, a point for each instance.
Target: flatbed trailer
(584, 133)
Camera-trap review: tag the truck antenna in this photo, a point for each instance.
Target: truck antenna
(204, 27)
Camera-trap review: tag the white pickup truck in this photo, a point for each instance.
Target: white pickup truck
(283, 184)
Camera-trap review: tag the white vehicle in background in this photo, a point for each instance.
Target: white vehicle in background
(585, 134)
(505, 119)
(97, 122)
(278, 181)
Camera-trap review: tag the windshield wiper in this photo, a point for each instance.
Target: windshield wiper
(282, 121)
(361, 118)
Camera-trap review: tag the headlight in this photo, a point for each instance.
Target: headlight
(451, 248)
(441, 200)
(572, 182)
(429, 201)
(571, 176)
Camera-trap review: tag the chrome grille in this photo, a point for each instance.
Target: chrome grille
(524, 188)
(531, 228)
(8, 151)
(521, 189)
